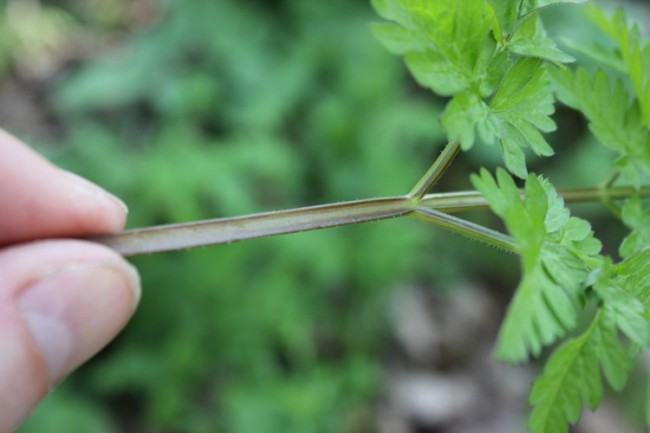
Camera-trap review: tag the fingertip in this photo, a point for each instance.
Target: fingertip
(97, 209)
(60, 303)
(76, 310)
(48, 202)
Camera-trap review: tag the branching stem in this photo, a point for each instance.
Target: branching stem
(432, 208)
(436, 171)
(225, 230)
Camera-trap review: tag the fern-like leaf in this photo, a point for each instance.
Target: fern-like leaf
(442, 41)
(557, 252)
(498, 85)
(518, 111)
(571, 377)
(531, 40)
(634, 54)
(614, 117)
(638, 220)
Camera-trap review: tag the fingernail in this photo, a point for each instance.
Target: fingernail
(85, 187)
(76, 310)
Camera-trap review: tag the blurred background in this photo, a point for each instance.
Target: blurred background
(199, 109)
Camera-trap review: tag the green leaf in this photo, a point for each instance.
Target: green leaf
(398, 40)
(557, 252)
(633, 52)
(571, 377)
(514, 157)
(633, 276)
(628, 313)
(443, 41)
(645, 103)
(533, 5)
(638, 220)
(448, 49)
(433, 70)
(524, 104)
(603, 55)
(507, 13)
(531, 40)
(504, 15)
(464, 115)
(519, 110)
(393, 11)
(614, 117)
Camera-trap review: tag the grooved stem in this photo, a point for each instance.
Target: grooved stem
(224, 230)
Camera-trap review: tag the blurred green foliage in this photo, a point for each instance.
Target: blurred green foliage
(199, 109)
(220, 108)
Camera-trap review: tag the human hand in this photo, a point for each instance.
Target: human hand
(62, 300)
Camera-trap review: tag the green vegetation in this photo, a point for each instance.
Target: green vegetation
(496, 74)
(228, 108)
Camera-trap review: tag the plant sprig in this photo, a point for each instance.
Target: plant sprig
(503, 74)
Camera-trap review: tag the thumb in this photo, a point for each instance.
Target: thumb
(60, 303)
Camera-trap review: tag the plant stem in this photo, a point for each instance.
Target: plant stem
(466, 228)
(472, 200)
(224, 230)
(436, 171)
(606, 200)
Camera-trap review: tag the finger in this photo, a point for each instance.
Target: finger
(60, 303)
(40, 200)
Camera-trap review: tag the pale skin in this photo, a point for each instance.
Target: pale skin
(61, 300)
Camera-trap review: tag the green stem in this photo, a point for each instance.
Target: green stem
(606, 200)
(472, 200)
(224, 230)
(436, 171)
(466, 228)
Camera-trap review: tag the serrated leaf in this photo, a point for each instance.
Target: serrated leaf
(531, 40)
(638, 220)
(633, 52)
(614, 118)
(443, 41)
(504, 14)
(524, 104)
(464, 115)
(557, 215)
(533, 5)
(514, 158)
(604, 56)
(633, 275)
(434, 71)
(507, 12)
(448, 49)
(519, 110)
(571, 376)
(554, 248)
(627, 311)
